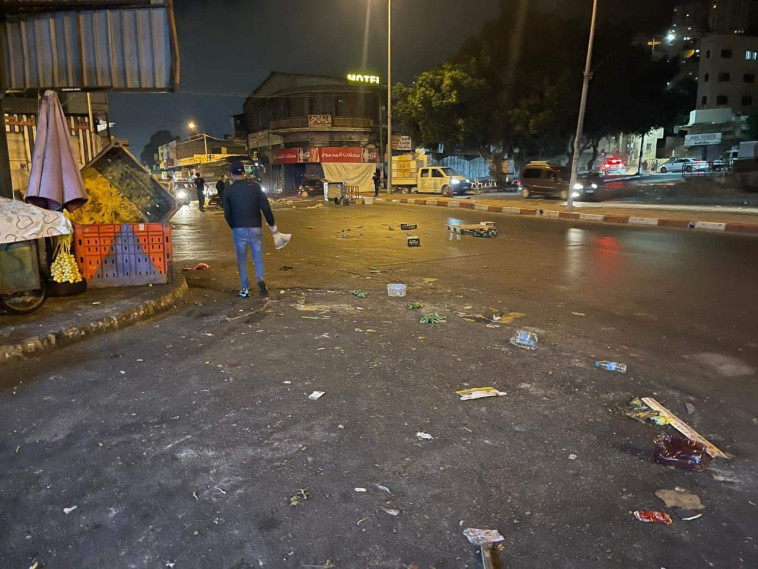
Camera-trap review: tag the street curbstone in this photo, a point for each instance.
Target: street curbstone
(109, 323)
(711, 226)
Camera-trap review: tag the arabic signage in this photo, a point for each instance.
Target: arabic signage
(702, 139)
(319, 121)
(365, 79)
(326, 154)
(402, 143)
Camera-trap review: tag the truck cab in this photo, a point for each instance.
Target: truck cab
(441, 180)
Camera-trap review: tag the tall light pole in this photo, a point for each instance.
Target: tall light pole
(193, 127)
(389, 96)
(582, 110)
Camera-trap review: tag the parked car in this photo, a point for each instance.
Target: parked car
(542, 179)
(311, 187)
(683, 165)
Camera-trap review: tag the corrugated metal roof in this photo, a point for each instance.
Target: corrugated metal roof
(131, 49)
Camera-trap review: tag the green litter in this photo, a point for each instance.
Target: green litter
(358, 293)
(433, 318)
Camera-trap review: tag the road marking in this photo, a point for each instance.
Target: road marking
(710, 225)
(643, 220)
(591, 217)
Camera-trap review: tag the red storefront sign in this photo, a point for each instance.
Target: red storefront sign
(342, 155)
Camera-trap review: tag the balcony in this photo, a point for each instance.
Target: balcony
(338, 123)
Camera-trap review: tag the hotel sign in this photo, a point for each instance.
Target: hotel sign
(365, 79)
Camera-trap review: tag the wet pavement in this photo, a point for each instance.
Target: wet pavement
(182, 441)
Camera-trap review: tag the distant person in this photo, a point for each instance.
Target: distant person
(244, 201)
(220, 187)
(200, 185)
(377, 183)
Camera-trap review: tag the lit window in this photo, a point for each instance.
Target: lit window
(751, 55)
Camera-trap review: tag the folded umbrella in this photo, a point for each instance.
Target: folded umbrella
(55, 181)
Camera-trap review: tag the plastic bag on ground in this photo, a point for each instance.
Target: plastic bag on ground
(680, 452)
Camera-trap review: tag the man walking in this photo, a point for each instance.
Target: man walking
(220, 187)
(244, 201)
(200, 185)
(377, 183)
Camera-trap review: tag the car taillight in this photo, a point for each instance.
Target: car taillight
(300, 187)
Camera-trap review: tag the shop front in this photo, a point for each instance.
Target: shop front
(355, 166)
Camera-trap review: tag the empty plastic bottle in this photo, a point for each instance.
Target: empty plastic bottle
(612, 366)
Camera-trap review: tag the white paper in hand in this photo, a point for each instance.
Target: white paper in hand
(281, 239)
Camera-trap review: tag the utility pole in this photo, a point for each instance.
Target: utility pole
(582, 110)
(6, 182)
(389, 96)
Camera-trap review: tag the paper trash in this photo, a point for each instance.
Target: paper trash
(479, 393)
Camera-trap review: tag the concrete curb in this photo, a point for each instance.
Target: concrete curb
(726, 227)
(110, 323)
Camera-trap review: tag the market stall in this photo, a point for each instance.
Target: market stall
(23, 278)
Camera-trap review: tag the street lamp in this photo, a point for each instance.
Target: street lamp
(192, 125)
(582, 110)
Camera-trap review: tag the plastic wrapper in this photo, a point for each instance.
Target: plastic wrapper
(653, 517)
(680, 452)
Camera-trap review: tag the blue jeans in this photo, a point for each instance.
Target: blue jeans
(252, 237)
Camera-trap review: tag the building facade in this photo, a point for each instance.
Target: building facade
(294, 123)
(180, 158)
(727, 73)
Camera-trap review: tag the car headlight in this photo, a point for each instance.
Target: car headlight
(594, 186)
(455, 182)
(578, 186)
(468, 181)
(576, 195)
(182, 195)
(264, 189)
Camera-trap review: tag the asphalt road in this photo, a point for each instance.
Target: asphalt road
(181, 441)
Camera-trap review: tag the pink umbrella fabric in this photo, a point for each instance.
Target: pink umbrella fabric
(55, 181)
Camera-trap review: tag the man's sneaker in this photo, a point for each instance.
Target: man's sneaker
(262, 288)
(245, 293)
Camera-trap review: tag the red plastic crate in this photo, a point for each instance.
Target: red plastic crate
(124, 255)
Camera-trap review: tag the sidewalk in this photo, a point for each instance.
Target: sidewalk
(63, 321)
(674, 218)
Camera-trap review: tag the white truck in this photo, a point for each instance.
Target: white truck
(411, 173)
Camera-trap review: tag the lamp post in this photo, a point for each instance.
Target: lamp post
(389, 96)
(193, 127)
(582, 110)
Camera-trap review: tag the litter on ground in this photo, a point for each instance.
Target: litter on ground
(653, 517)
(479, 393)
(358, 293)
(316, 395)
(680, 452)
(482, 536)
(424, 436)
(198, 267)
(680, 498)
(611, 366)
(525, 340)
(684, 428)
(391, 511)
(432, 318)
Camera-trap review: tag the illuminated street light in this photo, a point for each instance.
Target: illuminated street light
(192, 125)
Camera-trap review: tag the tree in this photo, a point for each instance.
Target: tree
(159, 138)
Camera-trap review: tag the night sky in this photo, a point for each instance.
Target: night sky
(228, 47)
